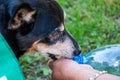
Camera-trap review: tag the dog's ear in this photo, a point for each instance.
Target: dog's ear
(24, 14)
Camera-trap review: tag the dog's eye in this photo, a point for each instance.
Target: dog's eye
(55, 33)
(16, 23)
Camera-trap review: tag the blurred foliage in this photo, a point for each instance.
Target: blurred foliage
(35, 67)
(93, 23)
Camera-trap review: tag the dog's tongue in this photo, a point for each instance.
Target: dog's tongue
(78, 59)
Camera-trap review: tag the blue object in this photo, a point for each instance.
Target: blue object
(104, 58)
(78, 59)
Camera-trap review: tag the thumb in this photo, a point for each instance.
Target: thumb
(50, 64)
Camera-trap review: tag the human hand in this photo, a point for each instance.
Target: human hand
(65, 69)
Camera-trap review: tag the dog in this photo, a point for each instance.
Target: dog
(37, 25)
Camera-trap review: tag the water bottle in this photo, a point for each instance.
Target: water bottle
(105, 58)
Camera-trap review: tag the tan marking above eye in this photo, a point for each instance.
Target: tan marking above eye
(61, 27)
(58, 30)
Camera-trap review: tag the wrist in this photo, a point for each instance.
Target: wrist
(97, 75)
(103, 75)
(108, 77)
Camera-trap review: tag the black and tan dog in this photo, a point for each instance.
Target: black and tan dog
(37, 25)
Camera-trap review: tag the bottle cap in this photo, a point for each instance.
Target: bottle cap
(78, 59)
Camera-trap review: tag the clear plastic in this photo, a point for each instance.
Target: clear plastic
(105, 58)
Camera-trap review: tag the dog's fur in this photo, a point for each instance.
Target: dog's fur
(37, 25)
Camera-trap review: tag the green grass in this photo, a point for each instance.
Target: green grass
(93, 23)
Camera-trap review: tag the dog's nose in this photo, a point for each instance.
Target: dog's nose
(76, 52)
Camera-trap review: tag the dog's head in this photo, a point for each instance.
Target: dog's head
(46, 33)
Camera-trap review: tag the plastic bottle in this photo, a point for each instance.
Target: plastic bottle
(106, 58)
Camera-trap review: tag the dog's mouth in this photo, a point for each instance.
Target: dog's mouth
(55, 57)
